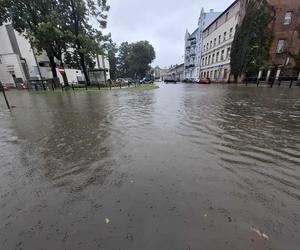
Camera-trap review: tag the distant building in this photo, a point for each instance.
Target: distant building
(156, 72)
(193, 45)
(163, 74)
(101, 71)
(217, 41)
(176, 73)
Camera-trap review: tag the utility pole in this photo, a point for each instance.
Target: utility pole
(4, 95)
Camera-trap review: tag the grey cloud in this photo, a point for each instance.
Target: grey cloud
(163, 23)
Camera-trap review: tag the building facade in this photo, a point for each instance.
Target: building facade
(286, 42)
(176, 73)
(20, 63)
(193, 45)
(217, 41)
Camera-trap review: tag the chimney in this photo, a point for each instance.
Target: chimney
(211, 10)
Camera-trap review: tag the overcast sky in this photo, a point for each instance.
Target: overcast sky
(162, 22)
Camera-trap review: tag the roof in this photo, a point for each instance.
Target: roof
(234, 3)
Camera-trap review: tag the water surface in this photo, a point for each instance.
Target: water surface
(181, 167)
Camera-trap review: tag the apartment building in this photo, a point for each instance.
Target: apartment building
(286, 42)
(193, 45)
(217, 41)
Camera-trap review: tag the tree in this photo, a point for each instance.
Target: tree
(41, 23)
(122, 60)
(61, 28)
(112, 50)
(86, 38)
(251, 45)
(141, 55)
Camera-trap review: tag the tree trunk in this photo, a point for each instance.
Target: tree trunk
(64, 76)
(83, 66)
(53, 66)
(77, 42)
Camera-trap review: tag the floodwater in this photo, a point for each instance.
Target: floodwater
(181, 167)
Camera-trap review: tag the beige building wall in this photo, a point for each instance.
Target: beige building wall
(217, 41)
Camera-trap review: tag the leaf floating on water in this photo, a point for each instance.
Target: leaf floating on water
(260, 234)
(107, 221)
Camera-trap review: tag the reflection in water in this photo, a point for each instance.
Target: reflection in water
(181, 167)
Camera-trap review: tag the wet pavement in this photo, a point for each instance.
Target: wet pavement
(181, 167)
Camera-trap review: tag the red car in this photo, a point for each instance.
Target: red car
(205, 81)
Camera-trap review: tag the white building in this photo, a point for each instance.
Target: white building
(19, 63)
(193, 45)
(17, 58)
(217, 41)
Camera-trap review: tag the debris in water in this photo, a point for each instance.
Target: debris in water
(205, 215)
(229, 219)
(107, 221)
(129, 236)
(260, 234)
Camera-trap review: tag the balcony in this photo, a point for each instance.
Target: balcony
(192, 38)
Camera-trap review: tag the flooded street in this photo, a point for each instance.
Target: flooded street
(181, 167)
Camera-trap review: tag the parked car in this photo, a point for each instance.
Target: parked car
(146, 80)
(205, 81)
(170, 81)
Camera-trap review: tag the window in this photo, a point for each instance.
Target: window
(230, 32)
(205, 60)
(226, 17)
(210, 44)
(288, 18)
(228, 53)
(0, 60)
(204, 48)
(281, 46)
(217, 57)
(219, 39)
(225, 34)
(207, 46)
(222, 55)
(216, 25)
(209, 59)
(215, 42)
(213, 58)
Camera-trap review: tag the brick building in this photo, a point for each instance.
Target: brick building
(286, 43)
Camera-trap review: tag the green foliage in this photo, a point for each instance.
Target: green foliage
(112, 50)
(252, 42)
(122, 60)
(60, 27)
(141, 55)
